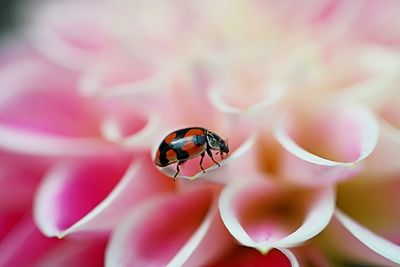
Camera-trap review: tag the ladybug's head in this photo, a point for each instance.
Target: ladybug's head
(217, 143)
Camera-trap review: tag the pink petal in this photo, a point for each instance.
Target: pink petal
(93, 195)
(263, 215)
(243, 256)
(379, 30)
(376, 243)
(327, 144)
(389, 141)
(24, 239)
(75, 253)
(43, 115)
(377, 209)
(123, 75)
(244, 100)
(130, 128)
(349, 241)
(333, 19)
(24, 245)
(71, 33)
(170, 230)
(155, 29)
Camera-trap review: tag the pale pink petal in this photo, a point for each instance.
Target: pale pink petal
(170, 231)
(350, 241)
(237, 102)
(380, 29)
(327, 144)
(41, 114)
(131, 128)
(372, 72)
(93, 195)
(263, 215)
(124, 76)
(334, 19)
(155, 30)
(376, 209)
(47, 145)
(71, 33)
(389, 141)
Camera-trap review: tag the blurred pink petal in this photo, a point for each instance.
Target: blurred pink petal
(75, 253)
(124, 75)
(24, 245)
(71, 33)
(376, 243)
(374, 210)
(263, 215)
(18, 183)
(340, 19)
(247, 95)
(348, 241)
(155, 29)
(131, 128)
(244, 256)
(380, 29)
(60, 122)
(389, 141)
(190, 233)
(93, 195)
(327, 144)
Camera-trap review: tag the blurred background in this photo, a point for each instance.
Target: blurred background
(8, 15)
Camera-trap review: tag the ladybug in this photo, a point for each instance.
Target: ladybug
(184, 144)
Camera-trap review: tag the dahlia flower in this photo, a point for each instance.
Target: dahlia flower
(306, 94)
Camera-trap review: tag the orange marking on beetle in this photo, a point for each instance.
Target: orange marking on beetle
(192, 132)
(170, 138)
(171, 155)
(192, 149)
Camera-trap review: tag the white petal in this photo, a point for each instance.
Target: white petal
(320, 211)
(376, 243)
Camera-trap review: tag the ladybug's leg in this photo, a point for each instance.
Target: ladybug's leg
(177, 168)
(211, 156)
(201, 161)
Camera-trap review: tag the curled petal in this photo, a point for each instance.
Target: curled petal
(327, 145)
(217, 97)
(190, 233)
(132, 130)
(373, 72)
(71, 33)
(389, 141)
(358, 243)
(124, 77)
(47, 145)
(93, 196)
(264, 216)
(154, 29)
(41, 115)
